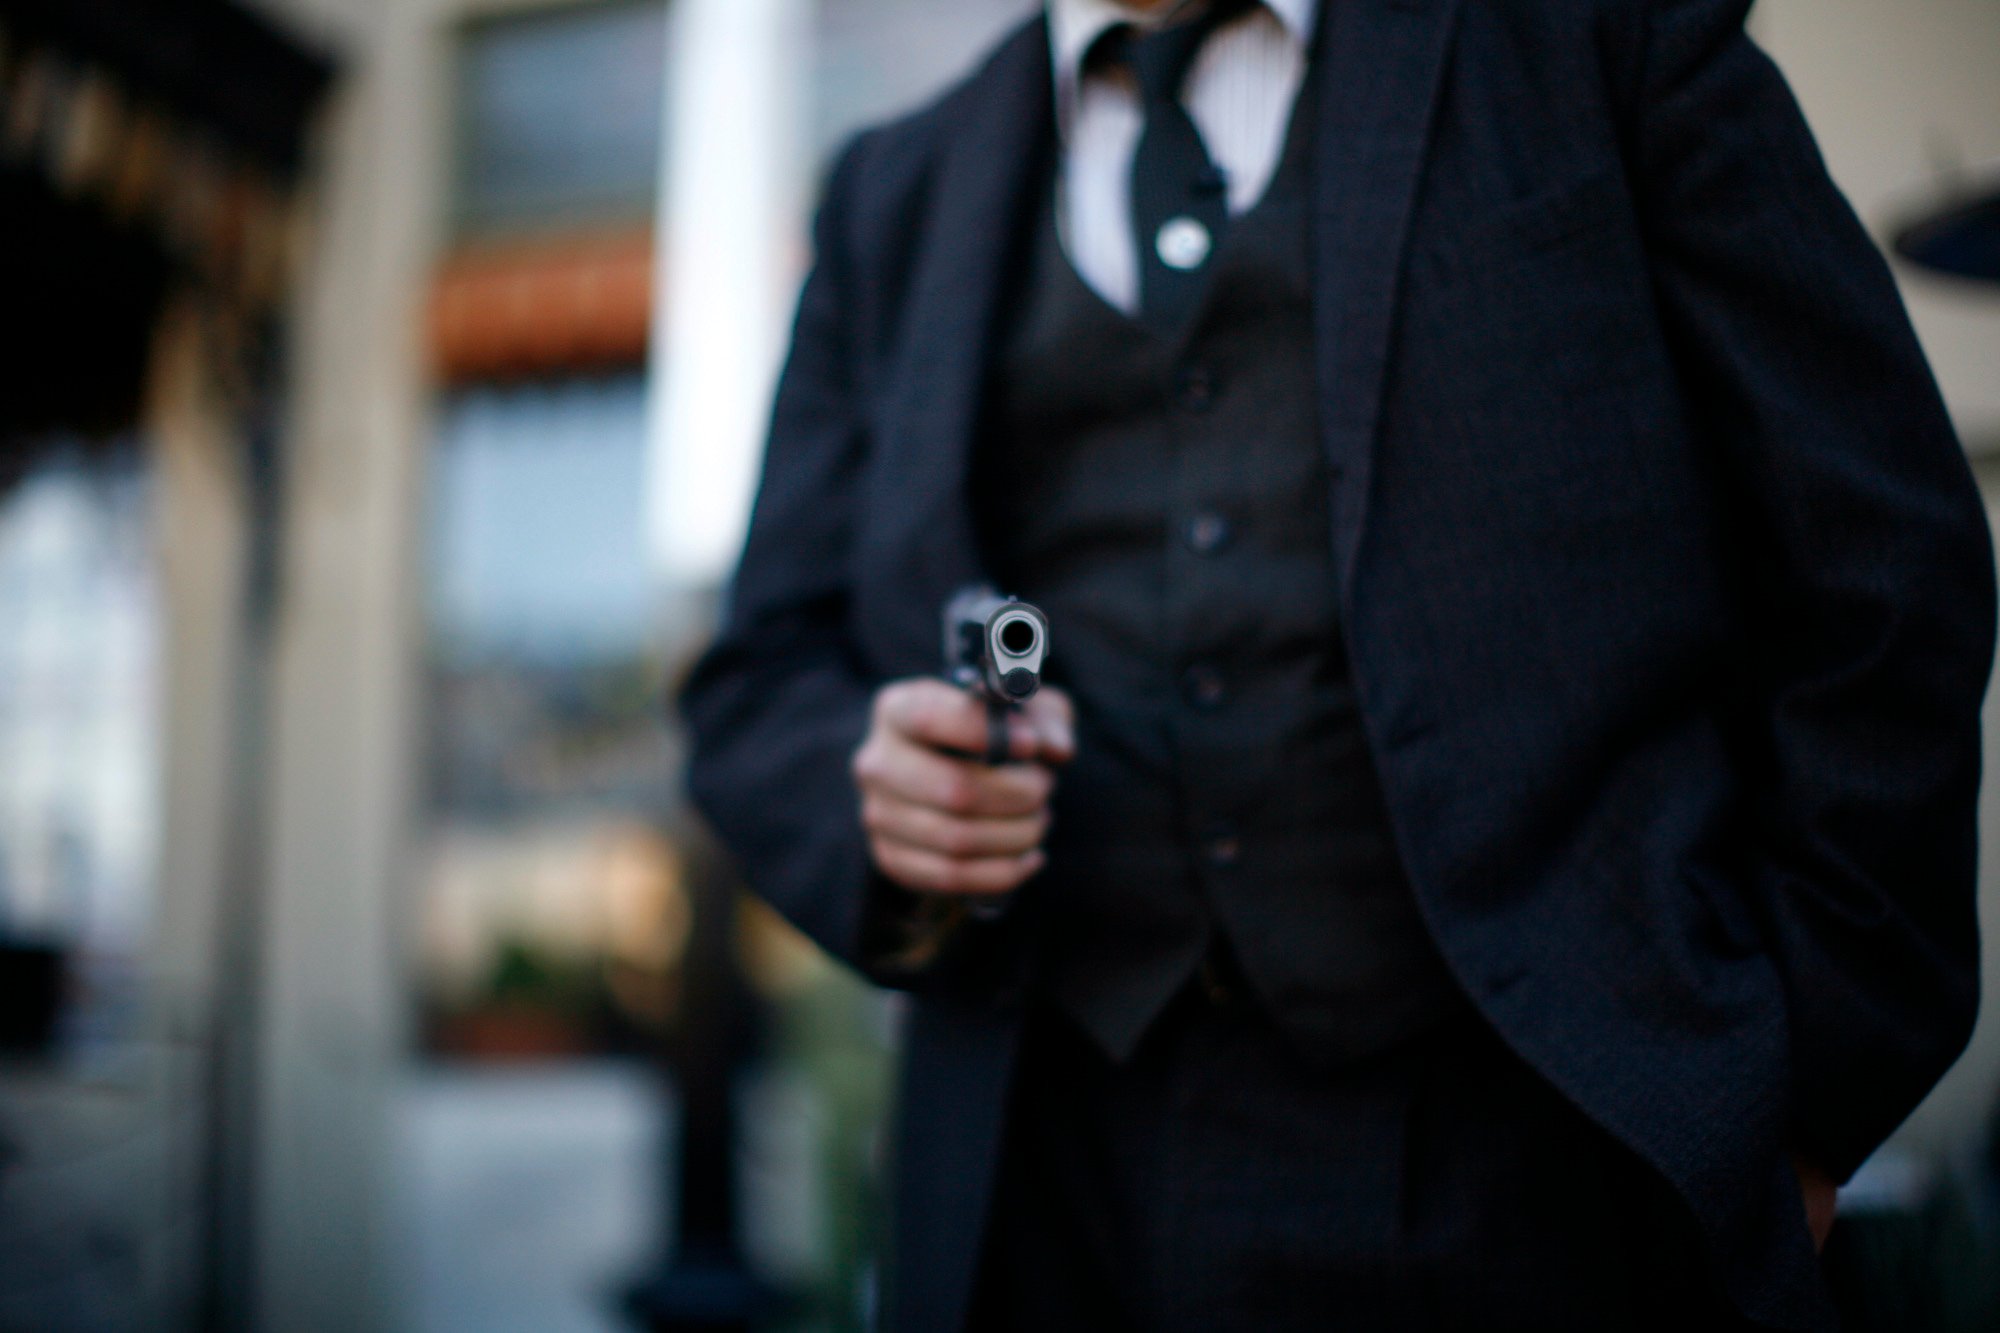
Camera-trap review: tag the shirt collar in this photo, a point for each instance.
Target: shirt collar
(1075, 24)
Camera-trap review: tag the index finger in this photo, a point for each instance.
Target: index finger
(939, 715)
(1053, 718)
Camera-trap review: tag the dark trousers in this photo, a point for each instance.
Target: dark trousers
(1217, 1182)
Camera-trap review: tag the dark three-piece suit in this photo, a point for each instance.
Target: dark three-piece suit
(1527, 626)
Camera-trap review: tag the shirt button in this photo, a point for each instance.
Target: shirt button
(1206, 689)
(1195, 388)
(1208, 533)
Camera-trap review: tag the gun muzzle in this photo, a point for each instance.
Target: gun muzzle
(996, 645)
(1018, 641)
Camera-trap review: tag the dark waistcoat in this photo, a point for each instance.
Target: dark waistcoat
(1164, 499)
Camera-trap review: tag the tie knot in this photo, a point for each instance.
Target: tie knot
(1159, 58)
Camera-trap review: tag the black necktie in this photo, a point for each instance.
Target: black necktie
(1179, 197)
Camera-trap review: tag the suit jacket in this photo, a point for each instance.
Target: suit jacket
(1668, 592)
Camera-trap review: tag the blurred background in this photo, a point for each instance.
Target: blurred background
(381, 432)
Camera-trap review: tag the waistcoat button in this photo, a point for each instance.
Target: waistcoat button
(1195, 388)
(1208, 533)
(1205, 686)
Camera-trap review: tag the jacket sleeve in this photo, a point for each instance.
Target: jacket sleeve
(777, 706)
(1869, 585)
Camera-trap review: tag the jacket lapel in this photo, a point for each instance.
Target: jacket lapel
(1380, 64)
(988, 172)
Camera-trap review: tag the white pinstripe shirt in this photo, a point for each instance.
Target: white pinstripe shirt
(1239, 93)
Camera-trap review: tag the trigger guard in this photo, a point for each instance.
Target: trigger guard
(999, 743)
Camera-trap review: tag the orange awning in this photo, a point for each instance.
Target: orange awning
(540, 307)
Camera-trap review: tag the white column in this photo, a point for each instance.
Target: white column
(344, 736)
(730, 247)
(200, 516)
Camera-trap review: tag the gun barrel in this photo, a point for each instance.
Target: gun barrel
(995, 644)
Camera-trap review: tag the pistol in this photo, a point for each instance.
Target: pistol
(995, 647)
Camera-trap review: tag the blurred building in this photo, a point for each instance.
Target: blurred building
(402, 371)
(337, 630)
(152, 216)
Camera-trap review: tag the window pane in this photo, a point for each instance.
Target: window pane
(78, 728)
(539, 550)
(559, 116)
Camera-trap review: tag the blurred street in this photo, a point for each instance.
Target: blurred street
(530, 1194)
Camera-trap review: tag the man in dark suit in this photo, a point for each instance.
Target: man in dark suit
(1502, 842)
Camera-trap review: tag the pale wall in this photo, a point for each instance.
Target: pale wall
(1900, 92)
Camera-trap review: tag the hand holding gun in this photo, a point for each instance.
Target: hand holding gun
(994, 648)
(955, 774)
